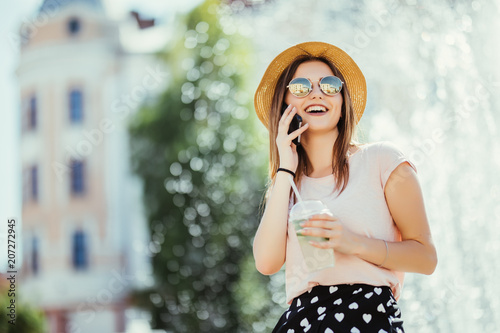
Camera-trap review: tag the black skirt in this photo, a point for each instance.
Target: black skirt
(348, 308)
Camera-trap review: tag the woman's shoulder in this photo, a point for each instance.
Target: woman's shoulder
(378, 151)
(385, 153)
(377, 146)
(358, 147)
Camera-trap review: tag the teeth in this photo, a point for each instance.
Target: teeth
(316, 108)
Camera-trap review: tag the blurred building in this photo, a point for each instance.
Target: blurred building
(85, 238)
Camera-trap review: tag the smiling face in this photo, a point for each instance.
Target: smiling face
(329, 107)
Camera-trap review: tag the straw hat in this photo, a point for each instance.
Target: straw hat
(355, 80)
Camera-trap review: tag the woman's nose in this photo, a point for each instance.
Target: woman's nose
(316, 91)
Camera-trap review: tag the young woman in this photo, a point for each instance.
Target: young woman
(379, 229)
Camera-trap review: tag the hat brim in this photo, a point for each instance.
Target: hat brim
(354, 78)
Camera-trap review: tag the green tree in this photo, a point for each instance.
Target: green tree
(203, 167)
(27, 319)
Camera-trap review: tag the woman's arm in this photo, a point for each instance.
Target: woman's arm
(269, 245)
(416, 251)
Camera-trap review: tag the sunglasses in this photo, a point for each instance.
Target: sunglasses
(301, 87)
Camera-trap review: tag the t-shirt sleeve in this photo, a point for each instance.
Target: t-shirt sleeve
(389, 157)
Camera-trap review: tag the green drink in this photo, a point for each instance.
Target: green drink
(315, 258)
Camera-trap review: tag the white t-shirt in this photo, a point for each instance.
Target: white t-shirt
(363, 209)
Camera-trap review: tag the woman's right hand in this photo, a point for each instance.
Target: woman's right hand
(289, 158)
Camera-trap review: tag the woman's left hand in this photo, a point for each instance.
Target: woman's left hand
(341, 239)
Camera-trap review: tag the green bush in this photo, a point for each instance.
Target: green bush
(27, 319)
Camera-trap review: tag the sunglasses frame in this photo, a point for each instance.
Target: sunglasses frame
(311, 82)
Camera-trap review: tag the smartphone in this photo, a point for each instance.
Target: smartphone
(294, 125)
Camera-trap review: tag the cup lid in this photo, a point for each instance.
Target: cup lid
(307, 208)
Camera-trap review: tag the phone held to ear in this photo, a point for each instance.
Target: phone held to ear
(294, 125)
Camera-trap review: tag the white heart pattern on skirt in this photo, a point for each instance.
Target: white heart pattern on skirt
(339, 316)
(355, 330)
(380, 308)
(314, 300)
(377, 290)
(367, 317)
(353, 306)
(370, 294)
(358, 291)
(333, 289)
(338, 302)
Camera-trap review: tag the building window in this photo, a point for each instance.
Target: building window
(77, 177)
(34, 255)
(30, 114)
(79, 250)
(34, 183)
(74, 26)
(75, 106)
(30, 184)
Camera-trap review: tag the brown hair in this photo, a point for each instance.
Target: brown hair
(346, 127)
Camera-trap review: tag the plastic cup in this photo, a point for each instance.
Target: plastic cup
(315, 258)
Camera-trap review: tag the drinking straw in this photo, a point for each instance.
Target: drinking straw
(294, 188)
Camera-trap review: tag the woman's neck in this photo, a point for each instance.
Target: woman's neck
(319, 148)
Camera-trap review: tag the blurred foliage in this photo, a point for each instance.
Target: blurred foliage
(203, 169)
(28, 319)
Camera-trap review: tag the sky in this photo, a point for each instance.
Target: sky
(12, 15)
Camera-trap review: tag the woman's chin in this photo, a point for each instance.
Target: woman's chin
(317, 128)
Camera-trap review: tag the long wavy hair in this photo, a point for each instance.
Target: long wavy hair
(346, 126)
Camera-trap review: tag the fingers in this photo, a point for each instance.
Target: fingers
(320, 220)
(316, 232)
(287, 117)
(285, 114)
(321, 245)
(298, 132)
(322, 225)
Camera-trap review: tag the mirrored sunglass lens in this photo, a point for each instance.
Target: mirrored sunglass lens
(331, 85)
(300, 87)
